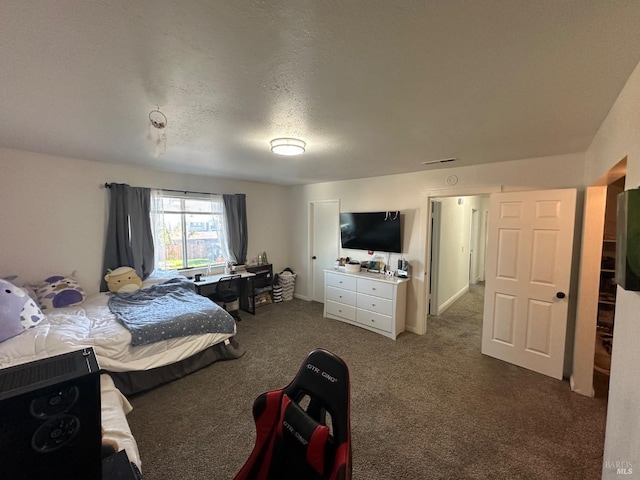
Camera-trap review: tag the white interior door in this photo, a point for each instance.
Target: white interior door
(325, 246)
(528, 266)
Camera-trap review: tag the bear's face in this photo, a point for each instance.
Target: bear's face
(123, 280)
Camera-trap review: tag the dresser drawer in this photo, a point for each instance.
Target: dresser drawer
(375, 304)
(340, 310)
(340, 281)
(377, 288)
(374, 320)
(340, 295)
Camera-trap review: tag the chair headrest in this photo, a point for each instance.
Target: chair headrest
(324, 377)
(301, 431)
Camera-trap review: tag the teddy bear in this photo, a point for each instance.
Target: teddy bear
(123, 280)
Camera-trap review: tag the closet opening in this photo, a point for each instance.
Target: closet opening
(606, 293)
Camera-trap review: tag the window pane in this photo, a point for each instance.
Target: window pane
(188, 233)
(171, 204)
(203, 241)
(193, 205)
(171, 241)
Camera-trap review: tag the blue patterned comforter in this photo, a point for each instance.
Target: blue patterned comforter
(168, 310)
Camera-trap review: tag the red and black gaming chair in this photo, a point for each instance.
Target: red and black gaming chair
(303, 430)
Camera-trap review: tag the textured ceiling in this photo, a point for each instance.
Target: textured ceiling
(374, 87)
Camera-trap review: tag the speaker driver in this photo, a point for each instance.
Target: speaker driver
(56, 432)
(55, 402)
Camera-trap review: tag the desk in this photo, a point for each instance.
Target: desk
(207, 285)
(262, 285)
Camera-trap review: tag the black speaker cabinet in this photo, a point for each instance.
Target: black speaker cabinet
(628, 240)
(50, 419)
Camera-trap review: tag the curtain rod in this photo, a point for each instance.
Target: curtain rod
(108, 185)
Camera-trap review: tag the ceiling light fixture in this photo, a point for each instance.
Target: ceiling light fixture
(287, 146)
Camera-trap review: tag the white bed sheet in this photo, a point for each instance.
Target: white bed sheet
(114, 408)
(92, 324)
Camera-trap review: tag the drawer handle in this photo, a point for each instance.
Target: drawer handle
(373, 321)
(373, 304)
(374, 289)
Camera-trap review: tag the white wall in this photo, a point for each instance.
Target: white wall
(409, 193)
(54, 213)
(482, 244)
(619, 136)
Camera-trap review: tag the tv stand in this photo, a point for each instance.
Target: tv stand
(367, 300)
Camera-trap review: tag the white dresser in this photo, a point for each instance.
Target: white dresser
(368, 300)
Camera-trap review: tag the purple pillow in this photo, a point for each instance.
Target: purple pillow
(18, 311)
(58, 292)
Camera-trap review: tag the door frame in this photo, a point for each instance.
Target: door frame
(434, 254)
(581, 378)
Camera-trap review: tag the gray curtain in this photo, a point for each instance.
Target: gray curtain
(235, 212)
(129, 240)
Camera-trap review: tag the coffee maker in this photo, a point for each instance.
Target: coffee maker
(403, 268)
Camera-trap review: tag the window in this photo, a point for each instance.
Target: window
(188, 230)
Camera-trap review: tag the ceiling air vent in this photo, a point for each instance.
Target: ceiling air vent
(443, 160)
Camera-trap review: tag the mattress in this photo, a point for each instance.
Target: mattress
(92, 324)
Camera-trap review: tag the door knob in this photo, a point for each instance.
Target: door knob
(313, 258)
(561, 295)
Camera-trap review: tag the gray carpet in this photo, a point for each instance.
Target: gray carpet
(423, 407)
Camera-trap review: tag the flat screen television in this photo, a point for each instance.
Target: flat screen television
(375, 231)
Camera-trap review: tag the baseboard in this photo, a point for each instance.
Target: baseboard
(591, 394)
(412, 330)
(452, 300)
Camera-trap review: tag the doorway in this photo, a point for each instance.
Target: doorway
(457, 241)
(607, 294)
(593, 340)
(546, 203)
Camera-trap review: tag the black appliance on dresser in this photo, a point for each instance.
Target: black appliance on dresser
(50, 418)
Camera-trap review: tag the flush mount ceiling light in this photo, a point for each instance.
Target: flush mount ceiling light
(287, 146)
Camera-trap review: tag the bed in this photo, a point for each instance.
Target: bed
(133, 368)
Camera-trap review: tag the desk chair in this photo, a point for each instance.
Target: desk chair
(303, 430)
(227, 293)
